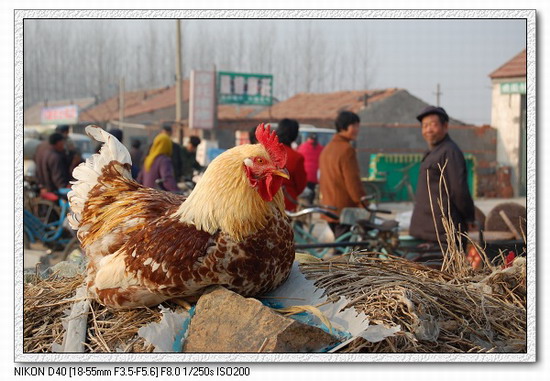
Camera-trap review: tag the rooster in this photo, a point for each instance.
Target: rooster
(145, 246)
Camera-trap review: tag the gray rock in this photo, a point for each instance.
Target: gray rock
(66, 269)
(227, 322)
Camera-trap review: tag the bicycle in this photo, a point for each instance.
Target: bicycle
(380, 188)
(374, 232)
(55, 235)
(304, 236)
(44, 205)
(368, 232)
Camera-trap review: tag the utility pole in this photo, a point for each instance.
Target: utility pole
(438, 93)
(121, 100)
(178, 81)
(213, 137)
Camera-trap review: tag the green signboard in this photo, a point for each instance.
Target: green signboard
(396, 175)
(245, 89)
(512, 88)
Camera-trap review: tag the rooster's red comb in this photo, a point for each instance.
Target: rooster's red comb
(271, 143)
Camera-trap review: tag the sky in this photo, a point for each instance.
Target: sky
(458, 54)
(412, 54)
(418, 54)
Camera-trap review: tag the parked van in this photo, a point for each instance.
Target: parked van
(84, 143)
(324, 135)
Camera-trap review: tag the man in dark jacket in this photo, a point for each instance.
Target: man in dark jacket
(189, 161)
(52, 169)
(443, 153)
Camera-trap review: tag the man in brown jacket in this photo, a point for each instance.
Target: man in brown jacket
(340, 180)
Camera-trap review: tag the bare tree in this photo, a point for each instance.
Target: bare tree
(364, 58)
(82, 58)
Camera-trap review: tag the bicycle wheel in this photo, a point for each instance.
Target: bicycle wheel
(304, 235)
(45, 210)
(72, 250)
(372, 189)
(26, 241)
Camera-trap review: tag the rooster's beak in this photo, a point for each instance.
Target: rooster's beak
(281, 173)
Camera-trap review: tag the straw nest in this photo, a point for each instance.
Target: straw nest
(436, 311)
(47, 302)
(453, 309)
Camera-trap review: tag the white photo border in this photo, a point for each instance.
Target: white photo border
(529, 356)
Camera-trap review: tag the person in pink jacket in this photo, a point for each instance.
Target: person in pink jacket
(311, 150)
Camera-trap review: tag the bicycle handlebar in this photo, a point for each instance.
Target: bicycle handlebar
(383, 211)
(307, 211)
(365, 204)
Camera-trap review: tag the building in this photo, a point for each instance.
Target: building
(146, 110)
(509, 117)
(388, 126)
(388, 122)
(56, 112)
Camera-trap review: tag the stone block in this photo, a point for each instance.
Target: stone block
(227, 322)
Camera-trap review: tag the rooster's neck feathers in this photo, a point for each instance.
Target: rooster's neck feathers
(224, 200)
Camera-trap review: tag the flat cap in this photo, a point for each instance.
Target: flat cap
(433, 110)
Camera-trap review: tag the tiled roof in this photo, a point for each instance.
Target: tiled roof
(301, 106)
(516, 67)
(135, 102)
(143, 101)
(32, 114)
(323, 106)
(162, 100)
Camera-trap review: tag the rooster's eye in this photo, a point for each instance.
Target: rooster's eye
(259, 160)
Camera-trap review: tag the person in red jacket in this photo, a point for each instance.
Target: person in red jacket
(311, 150)
(287, 131)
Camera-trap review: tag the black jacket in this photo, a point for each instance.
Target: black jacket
(52, 169)
(455, 175)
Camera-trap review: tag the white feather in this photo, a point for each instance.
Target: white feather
(112, 273)
(87, 173)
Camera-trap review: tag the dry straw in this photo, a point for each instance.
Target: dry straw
(47, 302)
(449, 310)
(452, 309)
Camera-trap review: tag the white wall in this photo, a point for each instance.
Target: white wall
(505, 117)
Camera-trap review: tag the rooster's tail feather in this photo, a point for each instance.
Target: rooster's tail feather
(87, 173)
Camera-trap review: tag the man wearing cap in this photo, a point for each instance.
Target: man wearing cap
(443, 153)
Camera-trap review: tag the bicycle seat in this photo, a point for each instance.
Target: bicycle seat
(350, 216)
(64, 193)
(386, 226)
(50, 196)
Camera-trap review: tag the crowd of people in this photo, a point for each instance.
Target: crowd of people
(332, 170)
(162, 165)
